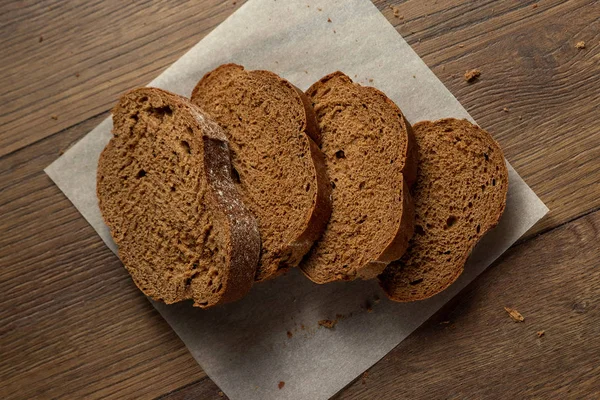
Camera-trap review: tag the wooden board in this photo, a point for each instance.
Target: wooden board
(79, 56)
(73, 325)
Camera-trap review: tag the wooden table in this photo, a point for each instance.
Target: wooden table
(73, 325)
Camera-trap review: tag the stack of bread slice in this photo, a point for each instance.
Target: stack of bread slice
(251, 177)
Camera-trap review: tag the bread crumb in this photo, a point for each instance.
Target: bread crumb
(376, 299)
(302, 326)
(444, 322)
(505, 109)
(41, 39)
(580, 45)
(534, 6)
(396, 12)
(281, 385)
(364, 377)
(77, 75)
(514, 314)
(328, 19)
(520, 117)
(339, 316)
(54, 117)
(328, 323)
(234, 3)
(334, 31)
(371, 80)
(221, 394)
(461, 45)
(472, 74)
(368, 306)
(319, 9)
(290, 334)
(541, 333)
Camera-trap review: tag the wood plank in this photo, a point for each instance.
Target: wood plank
(527, 56)
(529, 65)
(472, 349)
(78, 56)
(65, 297)
(72, 323)
(204, 389)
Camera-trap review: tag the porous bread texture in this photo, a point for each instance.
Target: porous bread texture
(165, 191)
(371, 163)
(459, 195)
(278, 168)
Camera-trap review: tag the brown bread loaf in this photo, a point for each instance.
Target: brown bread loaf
(371, 163)
(165, 190)
(278, 167)
(459, 195)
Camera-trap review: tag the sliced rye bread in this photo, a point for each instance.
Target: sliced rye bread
(371, 163)
(165, 190)
(460, 194)
(279, 169)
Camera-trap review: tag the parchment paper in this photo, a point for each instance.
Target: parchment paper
(245, 347)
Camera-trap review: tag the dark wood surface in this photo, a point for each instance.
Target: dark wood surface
(72, 325)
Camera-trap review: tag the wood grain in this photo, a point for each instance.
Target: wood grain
(472, 349)
(78, 56)
(529, 64)
(72, 325)
(554, 282)
(204, 389)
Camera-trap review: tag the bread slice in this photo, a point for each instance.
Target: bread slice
(460, 194)
(165, 191)
(371, 163)
(279, 169)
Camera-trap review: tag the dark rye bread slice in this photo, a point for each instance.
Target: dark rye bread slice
(371, 163)
(165, 190)
(460, 194)
(279, 168)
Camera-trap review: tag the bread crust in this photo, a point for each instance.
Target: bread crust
(319, 215)
(244, 244)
